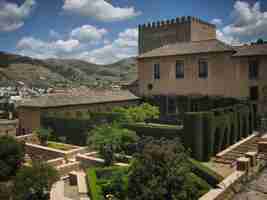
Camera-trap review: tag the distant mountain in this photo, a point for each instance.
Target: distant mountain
(53, 72)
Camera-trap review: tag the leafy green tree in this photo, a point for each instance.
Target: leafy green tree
(35, 182)
(162, 171)
(43, 135)
(139, 113)
(111, 138)
(260, 41)
(11, 156)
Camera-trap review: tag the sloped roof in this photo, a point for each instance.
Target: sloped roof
(60, 100)
(184, 48)
(251, 50)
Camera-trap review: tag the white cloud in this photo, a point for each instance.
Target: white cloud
(12, 16)
(216, 21)
(100, 10)
(88, 33)
(249, 23)
(33, 47)
(124, 46)
(54, 34)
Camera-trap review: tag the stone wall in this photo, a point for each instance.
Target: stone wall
(185, 29)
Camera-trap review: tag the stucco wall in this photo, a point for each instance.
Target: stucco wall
(223, 76)
(29, 118)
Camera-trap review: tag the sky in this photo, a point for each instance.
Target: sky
(105, 31)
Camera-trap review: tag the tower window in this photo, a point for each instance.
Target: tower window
(179, 69)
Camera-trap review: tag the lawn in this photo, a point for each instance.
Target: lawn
(60, 146)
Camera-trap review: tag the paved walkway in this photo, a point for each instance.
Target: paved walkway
(57, 192)
(255, 190)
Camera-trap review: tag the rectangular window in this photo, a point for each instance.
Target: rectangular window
(254, 93)
(253, 69)
(179, 69)
(172, 109)
(156, 71)
(203, 68)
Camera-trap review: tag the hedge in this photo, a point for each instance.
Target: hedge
(205, 173)
(202, 186)
(207, 133)
(94, 189)
(155, 130)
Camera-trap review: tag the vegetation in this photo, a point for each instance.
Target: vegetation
(35, 182)
(155, 130)
(11, 156)
(138, 113)
(59, 146)
(43, 135)
(163, 171)
(205, 173)
(108, 182)
(109, 139)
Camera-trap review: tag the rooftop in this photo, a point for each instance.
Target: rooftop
(187, 48)
(72, 99)
(251, 50)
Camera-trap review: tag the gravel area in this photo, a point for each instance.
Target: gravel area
(70, 191)
(255, 190)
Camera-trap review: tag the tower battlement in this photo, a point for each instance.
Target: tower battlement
(182, 29)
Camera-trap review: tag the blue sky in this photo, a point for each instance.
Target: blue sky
(103, 32)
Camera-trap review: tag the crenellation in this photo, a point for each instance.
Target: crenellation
(181, 29)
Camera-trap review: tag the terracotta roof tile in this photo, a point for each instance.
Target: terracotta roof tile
(251, 50)
(184, 48)
(58, 100)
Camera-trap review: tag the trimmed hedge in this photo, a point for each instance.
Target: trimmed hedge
(95, 190)
(205, 173)
(207, 133)
(202, 186)
(155, 130)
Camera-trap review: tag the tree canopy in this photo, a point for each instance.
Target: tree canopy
(162, 171)
(35, 182)
(138, 113)
(11, 156)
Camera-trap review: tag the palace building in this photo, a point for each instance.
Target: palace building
(183, 57)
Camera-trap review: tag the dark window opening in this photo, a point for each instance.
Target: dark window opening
(156, 71)
(254, 93)
(179, 69)
(203, 69)
(253, 69)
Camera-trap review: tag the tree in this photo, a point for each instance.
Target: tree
(162, 171)
(35, 182)
(43, 135)
(260, 41)
(139, 113)
(111, 138)
(11, 156)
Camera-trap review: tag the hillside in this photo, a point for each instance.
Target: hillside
(52, 72)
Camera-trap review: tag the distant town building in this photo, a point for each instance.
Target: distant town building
(71, 105)
(183, 57)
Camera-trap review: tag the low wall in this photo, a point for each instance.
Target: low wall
(56, 162)
(65, 169)
(30, 138)
(46, 153)
(88, 161)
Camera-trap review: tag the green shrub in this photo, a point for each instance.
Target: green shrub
(202, 186)
(210, 176)
(155, 130)
(11, 156)
(94, 189)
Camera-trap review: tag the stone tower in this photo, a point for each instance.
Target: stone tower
(182, 29)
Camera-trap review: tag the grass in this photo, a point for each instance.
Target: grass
(60, 146)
